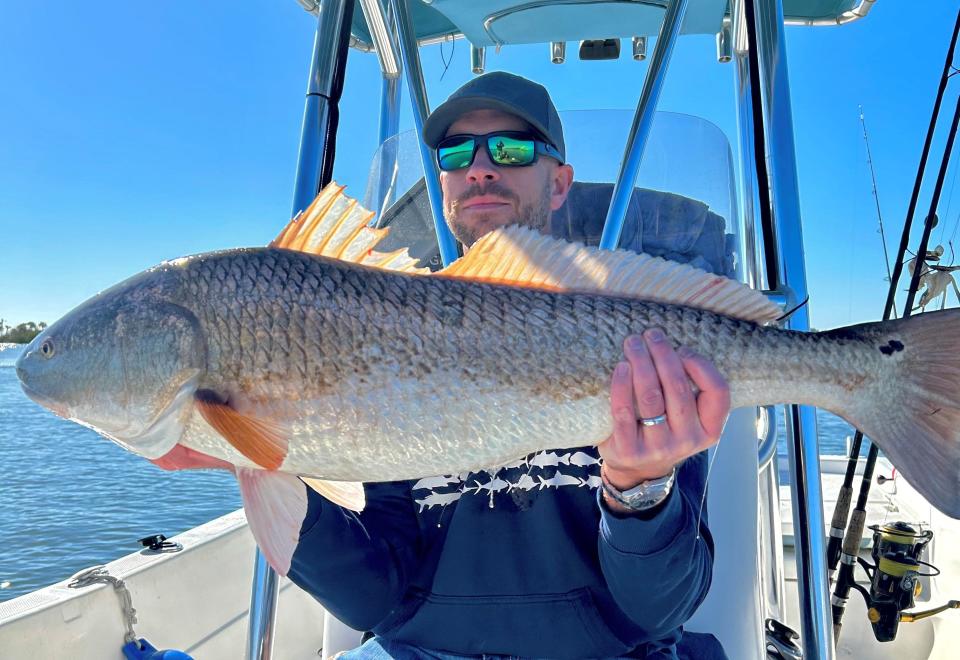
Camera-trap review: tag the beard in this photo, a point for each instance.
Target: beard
(534, 214)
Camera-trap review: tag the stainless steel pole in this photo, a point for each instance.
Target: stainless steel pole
(410, 56)
(642, 121)
(263, 610)
(319, 110)
(749, 202)
(791, 277)
(770, 533)
(329, 54)
(389, 127)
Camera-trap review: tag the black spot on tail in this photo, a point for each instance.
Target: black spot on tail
(892, 346)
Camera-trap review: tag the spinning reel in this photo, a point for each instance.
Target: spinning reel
(895, 578)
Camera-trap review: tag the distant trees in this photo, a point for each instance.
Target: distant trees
(21, 334)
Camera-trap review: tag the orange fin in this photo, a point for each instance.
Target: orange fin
(275, 504)
(520, 256)
(263, 442)
(336, 226)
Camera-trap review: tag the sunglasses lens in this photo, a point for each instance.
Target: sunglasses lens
(455, 155)
(511, 150)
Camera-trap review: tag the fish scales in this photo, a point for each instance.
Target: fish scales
(278, 360)
(340, 350)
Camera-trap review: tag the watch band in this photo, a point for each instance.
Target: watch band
(643, 496)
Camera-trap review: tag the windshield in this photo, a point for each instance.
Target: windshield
(681, 208)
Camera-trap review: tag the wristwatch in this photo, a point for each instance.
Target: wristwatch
(646, 495)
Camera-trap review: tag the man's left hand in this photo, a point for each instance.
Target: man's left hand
(657, 380)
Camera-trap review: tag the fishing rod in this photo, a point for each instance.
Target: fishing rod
(876, 194)
(897, 546)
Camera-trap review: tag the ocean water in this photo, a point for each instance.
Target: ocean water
(70, 499)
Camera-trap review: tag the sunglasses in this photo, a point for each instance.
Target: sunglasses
(505, 149)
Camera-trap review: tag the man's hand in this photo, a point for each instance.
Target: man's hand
(656, 380)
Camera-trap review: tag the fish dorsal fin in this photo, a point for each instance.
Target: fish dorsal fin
(336, 226)
(520, 256)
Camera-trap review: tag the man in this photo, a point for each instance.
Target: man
(590, 552)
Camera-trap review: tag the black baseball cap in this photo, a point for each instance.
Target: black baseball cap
(503, 91)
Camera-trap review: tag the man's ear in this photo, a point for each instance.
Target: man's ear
(562, 179)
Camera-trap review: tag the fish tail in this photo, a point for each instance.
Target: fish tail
(912, 412)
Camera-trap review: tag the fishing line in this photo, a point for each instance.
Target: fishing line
(703, 495)
(946, 214)
(793, 311)
(447, 63)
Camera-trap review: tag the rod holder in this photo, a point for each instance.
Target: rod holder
(478, 59)
(558, 52)
(724, 44)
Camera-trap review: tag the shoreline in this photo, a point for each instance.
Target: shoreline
(5, 345)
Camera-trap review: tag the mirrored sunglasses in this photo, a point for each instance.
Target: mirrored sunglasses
(504, 148)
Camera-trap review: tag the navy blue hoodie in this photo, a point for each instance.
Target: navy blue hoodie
(523, 561)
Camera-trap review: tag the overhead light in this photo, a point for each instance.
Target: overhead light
(600, 49)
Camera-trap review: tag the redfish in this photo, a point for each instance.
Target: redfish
(287, 364)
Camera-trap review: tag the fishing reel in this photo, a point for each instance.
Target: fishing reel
(895, 578)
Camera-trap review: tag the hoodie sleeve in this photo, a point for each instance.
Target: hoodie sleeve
(358, 564)
(659, 569)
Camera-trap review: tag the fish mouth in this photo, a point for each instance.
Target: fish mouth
(57, 409)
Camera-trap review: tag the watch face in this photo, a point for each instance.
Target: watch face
(646, 499)
(646, 495)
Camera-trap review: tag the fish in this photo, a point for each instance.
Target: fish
(319, 360)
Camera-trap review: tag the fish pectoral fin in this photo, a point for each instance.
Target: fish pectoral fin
(275, 504)
(336, 226)
(262, 441)
(348, 494)
(522, 257)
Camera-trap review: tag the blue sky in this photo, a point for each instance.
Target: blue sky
(133, 133)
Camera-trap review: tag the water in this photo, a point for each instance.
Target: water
(70, 499)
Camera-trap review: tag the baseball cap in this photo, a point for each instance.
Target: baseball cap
(503, 91)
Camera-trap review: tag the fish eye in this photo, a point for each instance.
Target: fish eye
(46, 348)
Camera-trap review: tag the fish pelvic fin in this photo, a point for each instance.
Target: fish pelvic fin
(348, 494)
(337, 226)
(913, 412)
(275, 504)
(520, 256)
(262, 441)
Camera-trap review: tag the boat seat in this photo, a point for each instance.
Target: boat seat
(659, 223)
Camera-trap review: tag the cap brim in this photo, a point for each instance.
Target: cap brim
(436, 126)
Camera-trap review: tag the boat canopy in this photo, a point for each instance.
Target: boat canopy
(504, 22)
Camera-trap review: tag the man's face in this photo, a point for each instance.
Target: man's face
(479, 198)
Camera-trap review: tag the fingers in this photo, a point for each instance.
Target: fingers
(713, 402)
(622, 408)
(658, 380)
(648, 399)
(679, 402)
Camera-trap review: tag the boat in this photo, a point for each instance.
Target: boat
(211, 594)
